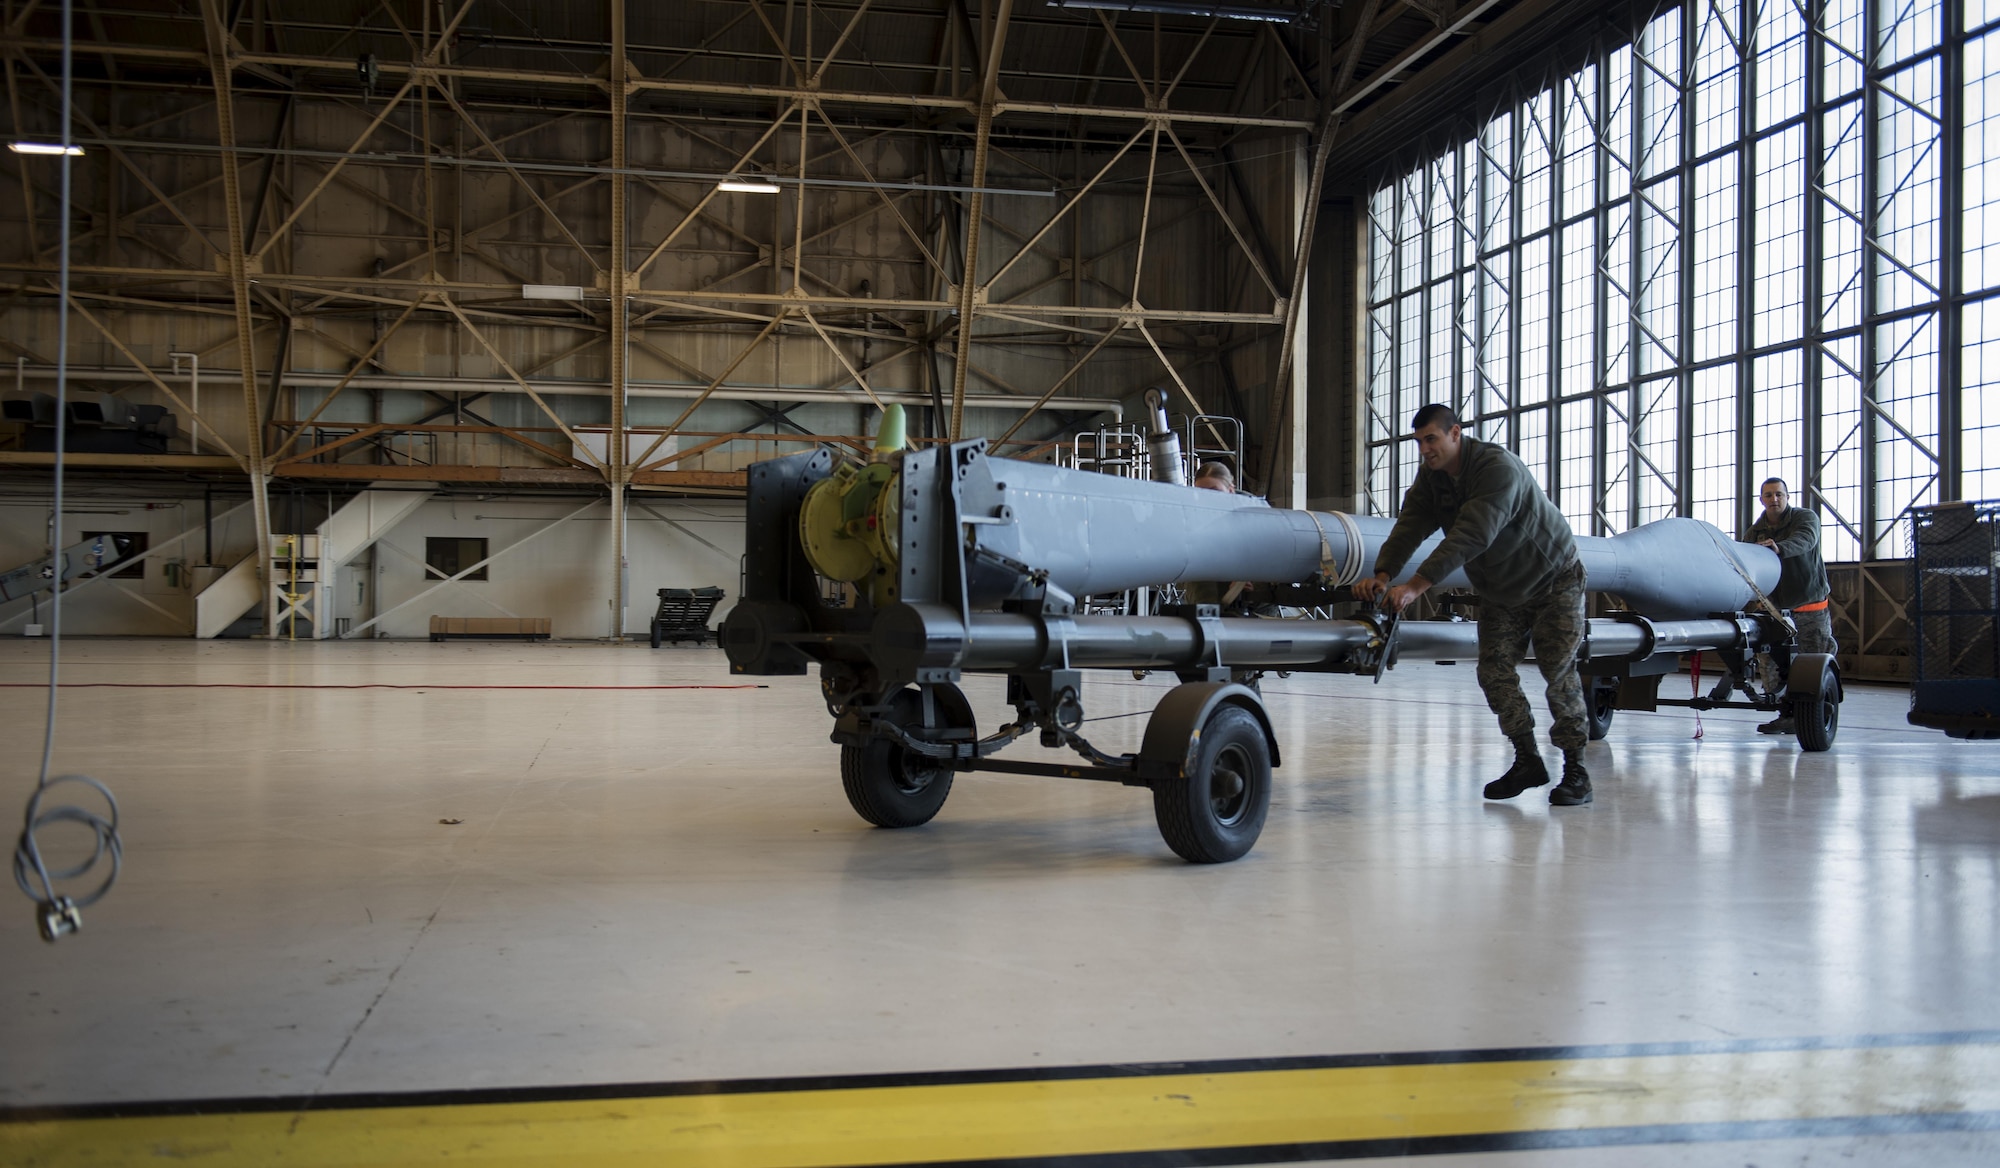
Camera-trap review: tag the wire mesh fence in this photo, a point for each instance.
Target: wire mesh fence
(1955, 618)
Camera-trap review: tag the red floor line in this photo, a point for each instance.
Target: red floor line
(368, 685)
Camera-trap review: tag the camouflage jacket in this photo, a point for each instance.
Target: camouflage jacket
(1498, 525)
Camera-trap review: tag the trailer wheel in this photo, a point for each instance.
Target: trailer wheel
(1815, 710)
(1214, 811)
(892, 787)
(1600, 701)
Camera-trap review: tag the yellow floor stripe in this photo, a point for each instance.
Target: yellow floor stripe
(889, 1125)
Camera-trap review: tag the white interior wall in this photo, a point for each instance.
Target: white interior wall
(113, 607)
(564, 573)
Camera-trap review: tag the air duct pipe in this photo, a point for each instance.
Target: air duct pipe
(1161, 442)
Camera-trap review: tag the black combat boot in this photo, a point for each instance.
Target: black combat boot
(1527, 771)
(1574, 790)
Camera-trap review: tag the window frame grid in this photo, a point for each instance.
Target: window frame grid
(1482, 248)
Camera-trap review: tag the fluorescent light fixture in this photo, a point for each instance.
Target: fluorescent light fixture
(44, 148)
(551, 292)
(747, 186)
(1271, 11)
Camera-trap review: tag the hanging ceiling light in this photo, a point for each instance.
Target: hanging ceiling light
(744, 186)
(44, 148)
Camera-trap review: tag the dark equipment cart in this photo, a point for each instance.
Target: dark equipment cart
(683, 614)
(1954, 599)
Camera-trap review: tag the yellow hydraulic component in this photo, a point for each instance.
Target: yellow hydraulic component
(840, 523)
(849, 522)
(288, 547)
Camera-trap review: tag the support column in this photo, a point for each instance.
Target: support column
(1951, 254)
(968, 285)
(1321, 143)
(1302, 185)
(239, 280)
(616, 471)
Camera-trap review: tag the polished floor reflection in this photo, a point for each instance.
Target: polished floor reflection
(650, 885)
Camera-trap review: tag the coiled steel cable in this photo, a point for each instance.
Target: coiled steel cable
(58, 914)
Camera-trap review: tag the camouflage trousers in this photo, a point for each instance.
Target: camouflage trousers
(1554, 620)
(1815, 631)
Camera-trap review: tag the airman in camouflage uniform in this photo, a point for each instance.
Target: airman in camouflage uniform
(1555, 621)
(1520, 555)
(1803, 590)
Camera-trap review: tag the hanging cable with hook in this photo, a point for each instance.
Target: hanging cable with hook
(59, 913)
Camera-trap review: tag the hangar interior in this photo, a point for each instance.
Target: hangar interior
(397, 357)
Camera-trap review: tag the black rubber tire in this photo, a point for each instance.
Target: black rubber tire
(1215, 813)
(1816, 717)
(1598, 707)
(891, 787)
(656, 634)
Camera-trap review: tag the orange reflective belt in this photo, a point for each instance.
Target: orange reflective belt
(1815, 606)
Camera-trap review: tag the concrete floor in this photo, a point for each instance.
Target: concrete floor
(640, 885)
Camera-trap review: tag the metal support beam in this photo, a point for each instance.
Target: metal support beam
(968, 284)
(616, 472)
(219, 67)
(427, 242)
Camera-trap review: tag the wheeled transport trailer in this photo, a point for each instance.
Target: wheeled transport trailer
(899, 576)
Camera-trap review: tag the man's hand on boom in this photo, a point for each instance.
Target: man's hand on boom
(1392, 597)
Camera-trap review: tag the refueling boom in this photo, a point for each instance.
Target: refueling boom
(960, 562)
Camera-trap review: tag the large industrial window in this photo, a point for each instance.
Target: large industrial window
(1756, 237)
(447, 555)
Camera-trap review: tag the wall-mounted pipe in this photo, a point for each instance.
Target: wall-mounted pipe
(194, 396)
(996, 401)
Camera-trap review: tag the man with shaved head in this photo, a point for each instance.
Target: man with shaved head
(1519, 553)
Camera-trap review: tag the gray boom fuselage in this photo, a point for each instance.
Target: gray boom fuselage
(1096, 533)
